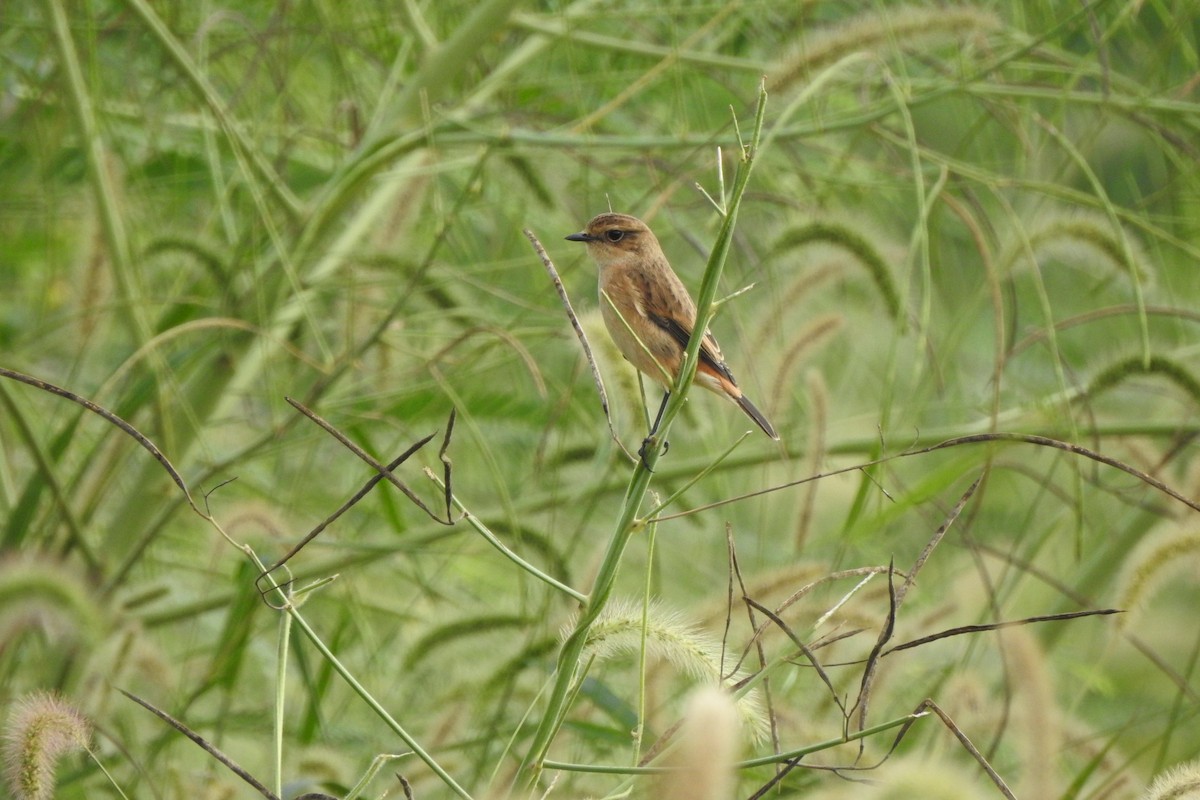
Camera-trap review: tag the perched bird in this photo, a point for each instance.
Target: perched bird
(650, 314)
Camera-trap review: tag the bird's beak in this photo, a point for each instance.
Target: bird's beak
(579, 237)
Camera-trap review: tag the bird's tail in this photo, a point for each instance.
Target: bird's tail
(753, 413)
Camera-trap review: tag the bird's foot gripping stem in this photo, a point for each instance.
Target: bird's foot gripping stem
(647, 443)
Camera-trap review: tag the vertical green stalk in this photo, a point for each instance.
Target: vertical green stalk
(643, 652)
(292, 612)
(281, 660)
(115, 233)
(628, 523)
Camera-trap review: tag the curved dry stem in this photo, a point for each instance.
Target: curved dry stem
(579, 334)
(111, 418)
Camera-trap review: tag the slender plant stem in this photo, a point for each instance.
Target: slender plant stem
(281, 659)
(495, 542)
(774, 758)
(341, 669)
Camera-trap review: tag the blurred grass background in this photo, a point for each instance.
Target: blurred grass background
(966, 218)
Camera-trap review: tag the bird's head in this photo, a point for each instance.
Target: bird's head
(615, 237)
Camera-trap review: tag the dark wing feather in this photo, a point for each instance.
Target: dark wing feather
(682, 335)
(709, 359)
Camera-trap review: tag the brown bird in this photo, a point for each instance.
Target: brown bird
(650, 314)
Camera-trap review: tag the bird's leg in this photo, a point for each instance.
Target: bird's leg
(662, 407)
(653, 430)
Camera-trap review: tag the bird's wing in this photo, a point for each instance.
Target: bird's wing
(710, 353)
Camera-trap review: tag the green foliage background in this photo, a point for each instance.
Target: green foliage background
(966, 218)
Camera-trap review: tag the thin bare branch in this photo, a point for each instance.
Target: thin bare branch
(897, 596)
(885, 635)
(735, 570)
(446, 463)
(384, 472)
(112, 418)
(938, 535)
(929, 705)
(1160, 663)
(958, 441)
(797, 595)
(996, 626)
(587, 348)
(804, 648)
(211, 749)
(346, 506)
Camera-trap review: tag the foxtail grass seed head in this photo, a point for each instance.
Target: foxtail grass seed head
(40, 593)
(1164, 554)
(667, 635)
(1179, 783)
(708, 747)
(874, 32)
(41, 728)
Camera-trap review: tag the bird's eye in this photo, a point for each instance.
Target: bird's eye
(614, 236)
